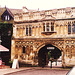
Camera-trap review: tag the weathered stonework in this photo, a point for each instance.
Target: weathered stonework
(38, 31)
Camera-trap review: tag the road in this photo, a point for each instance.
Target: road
(41, 72)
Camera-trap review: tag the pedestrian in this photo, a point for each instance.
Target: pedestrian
(1, 62)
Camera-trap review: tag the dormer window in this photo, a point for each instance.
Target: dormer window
(6, 18)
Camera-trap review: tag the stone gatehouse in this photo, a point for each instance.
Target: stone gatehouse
(36, 31)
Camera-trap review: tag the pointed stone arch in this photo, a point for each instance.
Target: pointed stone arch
(43, 53)
(54, 44)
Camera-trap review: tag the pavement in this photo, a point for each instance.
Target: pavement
(8, 70)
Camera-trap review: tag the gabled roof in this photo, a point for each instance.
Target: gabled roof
(14, 11)
(10, 12)
(2, 11)
(28, 10)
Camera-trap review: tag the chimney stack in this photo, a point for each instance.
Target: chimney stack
(25, 9)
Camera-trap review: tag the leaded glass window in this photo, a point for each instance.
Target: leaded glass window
(29, 30)
(73, 28)
(52, 26)
(43, 26)
(47, 26)
(26, 30)
(69, 28)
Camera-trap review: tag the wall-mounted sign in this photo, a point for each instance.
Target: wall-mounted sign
(50, 47)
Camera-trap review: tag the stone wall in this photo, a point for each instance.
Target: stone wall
(33, 34)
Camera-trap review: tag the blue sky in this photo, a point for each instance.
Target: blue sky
(35, 4)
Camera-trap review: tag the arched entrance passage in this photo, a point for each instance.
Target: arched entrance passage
(43, 56)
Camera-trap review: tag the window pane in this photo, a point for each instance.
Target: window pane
(47, 26)
(69, 29)
(27, 31)
(52, 27)
(8, 18)
(30, 31)
(23, 49)
(44, 27)
(73, 28)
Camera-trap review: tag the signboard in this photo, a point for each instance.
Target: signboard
(15, 64)
(50, 47)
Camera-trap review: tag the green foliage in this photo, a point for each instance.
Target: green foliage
(49, 55)
(10, 61)
(5, 22)
(6, 29)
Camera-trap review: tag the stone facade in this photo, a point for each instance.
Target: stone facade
(33, 30)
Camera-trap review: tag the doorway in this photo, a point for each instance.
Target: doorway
(47, 52)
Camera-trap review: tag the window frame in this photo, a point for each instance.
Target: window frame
(69, 28)
(44, 27)
(23, 49)
(73, 28)
(48, 27)
(27, 30)
(52, 26)
(6, 17)
(30, 30)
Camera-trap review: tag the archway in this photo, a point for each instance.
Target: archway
(47, 52)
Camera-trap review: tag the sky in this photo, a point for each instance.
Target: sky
(35, 4)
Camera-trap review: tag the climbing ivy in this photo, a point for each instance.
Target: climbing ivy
(5, 29)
